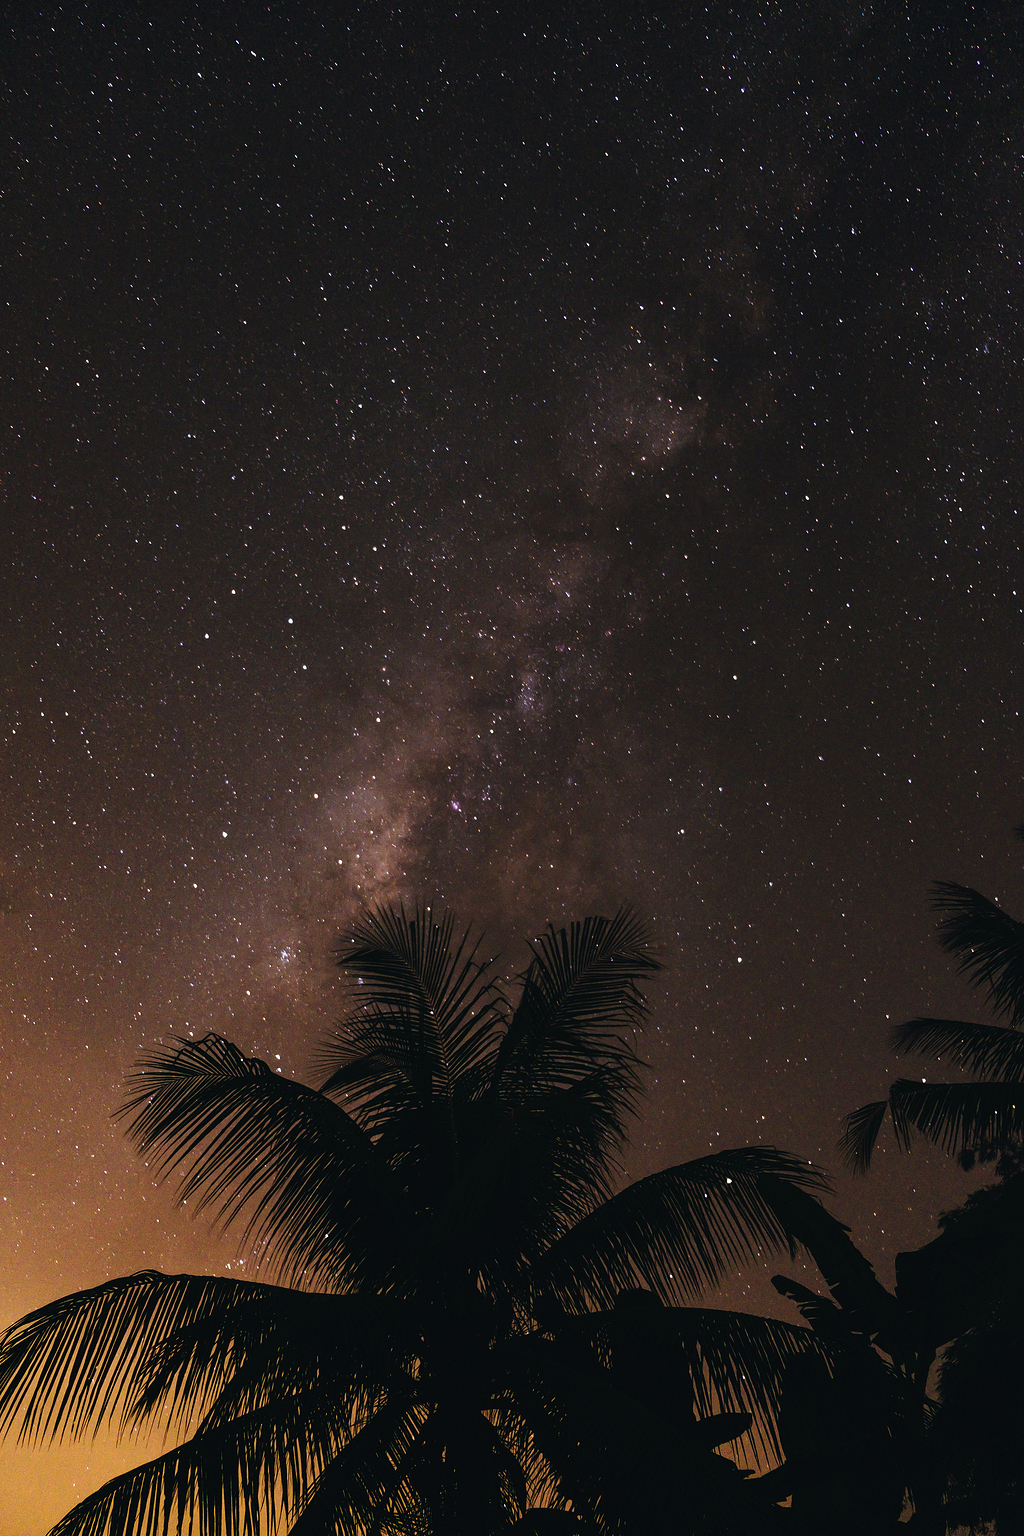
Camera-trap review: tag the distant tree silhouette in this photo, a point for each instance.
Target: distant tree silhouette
(972, 1120)
(965, 1286)
(860, 1431)
(979, 1428)
(454, 1337)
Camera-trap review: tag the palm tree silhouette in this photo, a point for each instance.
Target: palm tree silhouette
(440, 1216)
(972, 1120)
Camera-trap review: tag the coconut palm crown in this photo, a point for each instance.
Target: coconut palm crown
(976, 1120)
(430, 1216)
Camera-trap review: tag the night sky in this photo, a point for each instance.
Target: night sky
(532, 458)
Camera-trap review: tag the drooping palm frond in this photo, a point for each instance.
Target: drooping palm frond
(513, 1424)
(984, 1118)
(424, 1009)
(988, 944)
(228, 1480)
(77, 1362)
(857, 1143)
(278, 1345)
(320, 1200)
(737, 1364)
(979, 1119)
(968, 1119)
(364, 1489)
(164, 1348)
(580, 1001)
(991, 1049)
(677, 1231)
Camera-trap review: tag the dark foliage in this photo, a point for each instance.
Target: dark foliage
(973, 1121)
(449, 1351)
(963, 1290)
(980, 1424)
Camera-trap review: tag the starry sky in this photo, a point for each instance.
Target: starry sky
(530, 457)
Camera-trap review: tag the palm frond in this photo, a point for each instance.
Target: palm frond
(279, 1344)
(514, 1427)
(983, 1118)
(364, 1486)
(988, 944)
(77, 1362)
(423, 1004)
(225, 1481)
(679, 1230)
(857, 1143)
(321, 1201)
(580, 996)
(738, 1362)
(966, 1119)
(385, 1077)
(990, 1049)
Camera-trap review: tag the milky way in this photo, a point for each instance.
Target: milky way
(529, 464)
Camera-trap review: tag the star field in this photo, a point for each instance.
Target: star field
(531, 461)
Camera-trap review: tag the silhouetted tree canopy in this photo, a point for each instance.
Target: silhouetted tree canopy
(963, 1290)
(979, 1429)
(463, 1320)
